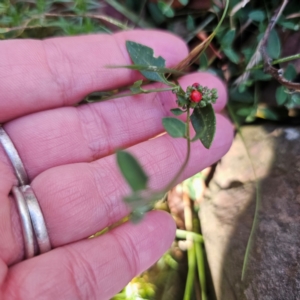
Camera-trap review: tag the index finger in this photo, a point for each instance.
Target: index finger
(38, 75)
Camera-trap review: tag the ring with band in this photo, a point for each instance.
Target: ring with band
(35, 234)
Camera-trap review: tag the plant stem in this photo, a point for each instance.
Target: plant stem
(257, 196)
(277, 61)
(201, 269)
(182, 234)
(191, 273)
(188, 138)
(132, 94)
(129, 14)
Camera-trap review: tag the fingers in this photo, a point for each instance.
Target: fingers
(38, 75)
(93, 269)
(88, 132)
(78, 200)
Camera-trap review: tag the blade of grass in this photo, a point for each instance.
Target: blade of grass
(257, 198)
(191, 273)
(129, 14)
(201, 269)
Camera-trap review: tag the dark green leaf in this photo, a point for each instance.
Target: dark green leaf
(290, 72)
(166, 9)
(260, 75)
(174, 127)
(204, 123)
(190, 23)
(144, 56)
(181, 100)
(232, 55)
(228, 38)
(177, 111)
(203, 61)
(184, 2)
(245, 97)
(155, 13)
(245, 111)
(132, 171)
(257, 15)
(289, 25)
(281, 95)
(274, 46)
(296, 98)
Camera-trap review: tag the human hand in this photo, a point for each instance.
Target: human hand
(68, 154)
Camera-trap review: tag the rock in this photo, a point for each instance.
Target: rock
(227, 212)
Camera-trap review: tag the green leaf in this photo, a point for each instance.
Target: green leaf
(136, 87)
(174, 127)
(296, 98)
(274, 46)
(257, 15)
(232, 55)
(155, 13)
(244, 97)
(184, 2)
(143, 55)
(190, 23)
(267, 113)
(204, 123)
(203, 61)
(281, 95)
(228, 39)
(260, 75)
(177, 111)
(132, 171)
(166, 9)
(290, 72)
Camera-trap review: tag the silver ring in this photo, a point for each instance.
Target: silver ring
(29, 240)
(37, 219)
(14, 157)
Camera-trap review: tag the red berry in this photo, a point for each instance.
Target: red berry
(196, 96)
(195, 85)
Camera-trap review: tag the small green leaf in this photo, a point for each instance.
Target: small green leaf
(184, 2)
(281, 95)
(232, 55)
(166, 9)
(203, 61)
(144, 56)
(177, 111)
(181, 100)
(174, 127)
(260, 75)
(267, 113)
(136, 87)
(204, 123)
(290, 72)
(274, 46)
(132, 171)
(228, 39)
(296, 98)
(190, 23)
(257, 15)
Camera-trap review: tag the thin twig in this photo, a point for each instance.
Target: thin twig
(268, 69)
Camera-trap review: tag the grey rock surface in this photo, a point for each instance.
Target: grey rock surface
(226, 215)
